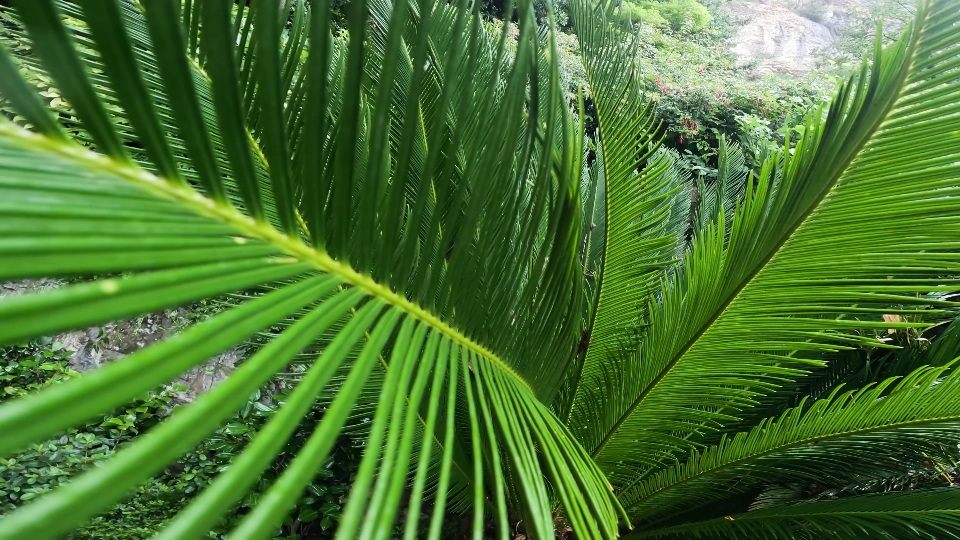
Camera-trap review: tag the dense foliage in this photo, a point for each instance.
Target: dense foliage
(699, 89)
(41, 467)
(500, 298)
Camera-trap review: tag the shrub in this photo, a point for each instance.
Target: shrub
(42, 467)
(685, 15)
(632, 14)
(688, 16)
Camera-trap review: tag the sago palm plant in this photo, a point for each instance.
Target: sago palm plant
(518, 322)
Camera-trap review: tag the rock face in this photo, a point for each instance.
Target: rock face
(788, 36)
(98, 345)
(778, 39)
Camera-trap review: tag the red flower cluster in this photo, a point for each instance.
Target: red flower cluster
(691, 127)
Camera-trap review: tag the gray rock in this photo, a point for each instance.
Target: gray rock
(778, 39)
(14, 288)
(791, 37)
(95, 346)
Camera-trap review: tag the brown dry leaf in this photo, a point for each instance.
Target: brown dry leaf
(891, 318)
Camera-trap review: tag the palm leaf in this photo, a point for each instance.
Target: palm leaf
(720, 196)
(859, 433)
(867, 194)
(319, 268)
(945, 348)
(642, 191)
(149, 64)
(854, 369)
(928, 515)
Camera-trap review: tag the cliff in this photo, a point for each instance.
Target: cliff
(787, 36)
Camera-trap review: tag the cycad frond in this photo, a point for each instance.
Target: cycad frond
(871, 431)
(634, 260)
(945, 348)
(130, 107)
(720, 196)
(859, 216)
(928, 515)
(642, 194)
(376, 247)
(852, 370)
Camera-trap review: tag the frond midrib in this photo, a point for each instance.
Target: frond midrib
(251, 228)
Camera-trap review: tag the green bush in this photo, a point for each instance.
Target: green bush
(682, 14)
(31, 366)
(677, 15)
(700, 92)
(698, 89)
(139, 517)
(42, 467)
(754, 115)
(633, 14)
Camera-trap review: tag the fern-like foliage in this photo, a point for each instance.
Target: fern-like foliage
(788, 268)
(644, 193)
(883, 427)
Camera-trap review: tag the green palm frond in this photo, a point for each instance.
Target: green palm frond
(593, 228)
(945, 348)
(861, 433)
(858, 217)
(720, 196)
(406, 223)
(929, 515)
(655, 237)
(343, 205)
(855, 369)
(248, 168)
(642, 192)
